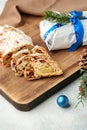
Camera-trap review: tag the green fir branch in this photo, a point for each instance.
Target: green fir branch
(82, 95)
(62, 18)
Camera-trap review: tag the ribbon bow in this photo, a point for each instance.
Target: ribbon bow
(78, 28)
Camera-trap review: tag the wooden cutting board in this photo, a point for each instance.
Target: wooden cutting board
(25, 95)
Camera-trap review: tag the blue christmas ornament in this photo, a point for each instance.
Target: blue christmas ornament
(63, 101)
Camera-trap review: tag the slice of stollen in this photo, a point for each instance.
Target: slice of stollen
(17, 56)
(41, 66)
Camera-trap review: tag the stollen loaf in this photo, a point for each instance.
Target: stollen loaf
(57, 36)
(11, 41)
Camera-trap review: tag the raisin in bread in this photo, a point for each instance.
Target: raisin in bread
(12, 40)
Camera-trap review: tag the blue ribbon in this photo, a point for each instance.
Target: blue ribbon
(55, 26)
(78, 28)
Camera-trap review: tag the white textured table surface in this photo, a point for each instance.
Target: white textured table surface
(46, 116)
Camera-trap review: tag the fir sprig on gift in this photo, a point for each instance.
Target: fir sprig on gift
(62, 18)
(59, 17)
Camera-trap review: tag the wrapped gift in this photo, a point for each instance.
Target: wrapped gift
(71, 35)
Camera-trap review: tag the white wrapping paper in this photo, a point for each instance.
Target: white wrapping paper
(62, 37)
